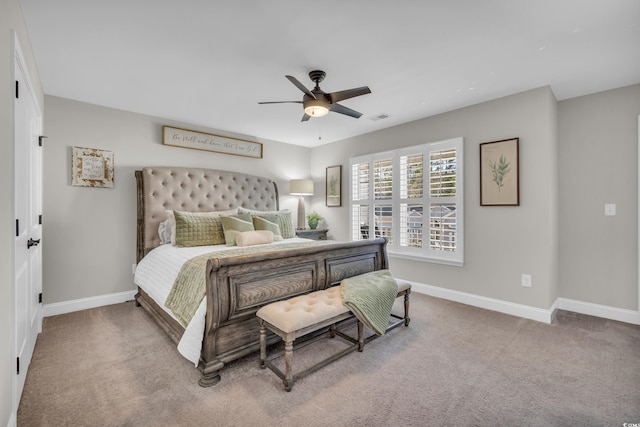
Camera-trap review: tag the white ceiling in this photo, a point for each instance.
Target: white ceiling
(209, 62)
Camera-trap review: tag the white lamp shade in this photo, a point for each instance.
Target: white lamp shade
(301, 187)
(316, 107)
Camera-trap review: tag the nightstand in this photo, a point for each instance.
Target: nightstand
(316, 234)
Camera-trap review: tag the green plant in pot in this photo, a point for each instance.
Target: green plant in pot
(312, 219)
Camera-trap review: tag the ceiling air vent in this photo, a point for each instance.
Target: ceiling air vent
(379, 117)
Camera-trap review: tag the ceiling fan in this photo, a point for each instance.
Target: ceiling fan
(317, 103)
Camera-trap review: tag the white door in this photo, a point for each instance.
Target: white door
(28, 210)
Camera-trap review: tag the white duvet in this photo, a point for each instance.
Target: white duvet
(156, 273)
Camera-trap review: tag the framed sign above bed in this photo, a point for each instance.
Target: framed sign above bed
(209, 142)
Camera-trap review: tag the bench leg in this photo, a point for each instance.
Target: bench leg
(406, 309)
(263, 344)
(288, 365)
(360, 336)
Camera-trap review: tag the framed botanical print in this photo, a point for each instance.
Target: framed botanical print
(334, 186)
(500, 173)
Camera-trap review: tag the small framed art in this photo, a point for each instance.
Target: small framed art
(334, 186)
(500, 173)
(91, 167)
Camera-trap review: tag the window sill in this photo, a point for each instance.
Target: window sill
(424, 258)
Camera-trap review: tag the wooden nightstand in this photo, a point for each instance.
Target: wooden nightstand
(317, 234)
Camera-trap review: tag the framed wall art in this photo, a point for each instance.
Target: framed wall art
(91, 167)
(500, 173)
(209, 142)
(334, 186)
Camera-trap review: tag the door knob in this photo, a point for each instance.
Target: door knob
(32, 242)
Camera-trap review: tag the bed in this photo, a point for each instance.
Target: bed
(236, 286)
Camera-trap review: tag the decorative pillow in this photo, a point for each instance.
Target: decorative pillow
(268, 222)
(218, 228)
(198, 229)
(284, 216)
(258, 237)
(164, 231)
(234, 224)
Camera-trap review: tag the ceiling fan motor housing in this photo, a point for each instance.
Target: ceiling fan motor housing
(318, 106)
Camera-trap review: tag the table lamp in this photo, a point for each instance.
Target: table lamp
(301, 187)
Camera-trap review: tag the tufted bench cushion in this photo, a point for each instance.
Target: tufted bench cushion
(303, 311)
(403, 286)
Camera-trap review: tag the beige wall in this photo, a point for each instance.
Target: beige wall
(575, 156)
(501, 242)
(10, 19)
(598, 164)
(89, 234)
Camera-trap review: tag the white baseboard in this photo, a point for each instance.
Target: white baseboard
(86, 303)
(528, 312)
(520, 310)
(597, 310)
(12, 420)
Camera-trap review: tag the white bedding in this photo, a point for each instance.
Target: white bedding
(157, 272)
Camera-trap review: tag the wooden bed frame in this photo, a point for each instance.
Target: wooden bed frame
(238, 286)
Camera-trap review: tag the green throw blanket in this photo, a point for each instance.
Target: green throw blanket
(370, 297)
(190, 286)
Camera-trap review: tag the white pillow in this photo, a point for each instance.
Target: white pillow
(257, 237)
(164, 231)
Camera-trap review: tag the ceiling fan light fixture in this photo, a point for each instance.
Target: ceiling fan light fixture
(316, 107)
(317, 103)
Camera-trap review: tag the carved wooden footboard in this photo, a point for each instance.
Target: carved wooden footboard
(238, 286)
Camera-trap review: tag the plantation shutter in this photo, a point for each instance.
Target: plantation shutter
(414, 197)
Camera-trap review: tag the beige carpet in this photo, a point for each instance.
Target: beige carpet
(454, 366)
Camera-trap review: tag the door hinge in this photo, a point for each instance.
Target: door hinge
(17, 228)
(17, 366)
(40, 298)
(17, 93)
(40, 219)
(40, 138)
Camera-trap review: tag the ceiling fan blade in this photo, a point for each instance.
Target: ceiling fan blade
(281, 102)
(300, 86)
(305, 118)
(337, 108)
(349, 93)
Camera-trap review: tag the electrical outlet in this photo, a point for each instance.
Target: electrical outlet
(610, 209)
(526, 280)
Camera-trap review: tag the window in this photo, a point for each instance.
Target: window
(414, 197)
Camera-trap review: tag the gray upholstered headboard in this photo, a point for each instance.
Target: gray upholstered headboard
(195, 190)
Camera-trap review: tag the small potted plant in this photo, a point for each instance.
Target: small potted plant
(313, 219)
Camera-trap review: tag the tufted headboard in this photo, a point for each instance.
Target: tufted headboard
(195, 190)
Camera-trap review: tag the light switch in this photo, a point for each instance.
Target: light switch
(610, 209)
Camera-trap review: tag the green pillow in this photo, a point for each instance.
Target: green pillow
(268, 222)
(234, 224)
(284, 216)
(196, 229)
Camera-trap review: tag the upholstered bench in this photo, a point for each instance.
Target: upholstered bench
(304, 314)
